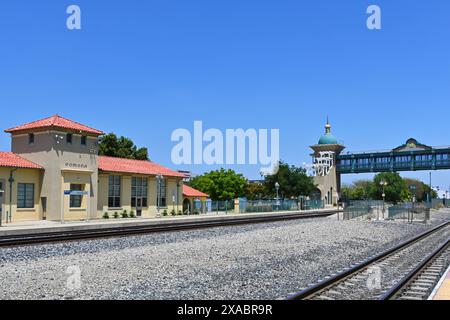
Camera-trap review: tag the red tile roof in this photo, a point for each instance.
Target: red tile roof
(191, 192)
(55, 122)
(120, 165)
(12, 160)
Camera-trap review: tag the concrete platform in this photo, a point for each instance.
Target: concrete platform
(38, 227)
(442, 290)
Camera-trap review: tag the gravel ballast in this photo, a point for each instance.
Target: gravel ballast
(260, 261)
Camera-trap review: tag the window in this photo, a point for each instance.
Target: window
(424, 158)
(69, 138)
(139, 190)
(401, 159)
(31, 138)
(383, 160)
(75, 201)
(114, 192)
(162, 193)
(363, 162)
(83, 140)
(25, 195)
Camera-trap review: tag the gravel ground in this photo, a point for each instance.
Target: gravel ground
(262, 261)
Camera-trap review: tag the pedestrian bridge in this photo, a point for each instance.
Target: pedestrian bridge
(412, 156)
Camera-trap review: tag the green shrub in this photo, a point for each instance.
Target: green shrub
(106, 215)
(125, 214)
(180, 213)
(132, 215)
(165, 213)
(116, 215)
(173, 213)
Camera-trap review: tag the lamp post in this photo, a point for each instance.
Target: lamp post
(277, 187)
(383, 184)
(158, 194)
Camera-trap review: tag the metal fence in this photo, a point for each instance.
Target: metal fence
(221, 206)
(362, 203)
(254, 206)
(249, 206)
(440, 203)
(356, 211)
(409, 211)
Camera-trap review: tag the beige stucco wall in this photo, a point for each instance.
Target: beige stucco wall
(20, 176)
(57, 156)
(85, 212)
(67, 164)
(147, 212)
(329, 183)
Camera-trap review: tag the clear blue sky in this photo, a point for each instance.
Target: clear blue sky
(145, 68)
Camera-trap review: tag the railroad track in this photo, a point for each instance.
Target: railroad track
(74, 235)
(419, 283)
(377, 278)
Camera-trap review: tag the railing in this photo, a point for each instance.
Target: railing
(364, 203)
(313, 205)
(440, 203)
(356, 211)
(382, 166)
(409, 211)
(249, 206)
(401, 161)
(443, 163)
(222, 206)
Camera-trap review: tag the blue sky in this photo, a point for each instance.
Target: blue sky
(145, 68)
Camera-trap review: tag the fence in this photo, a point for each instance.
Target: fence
(221, 206)
(248, 206)
(440, 203)
(356, 211)
(409, 211)
(362, 203)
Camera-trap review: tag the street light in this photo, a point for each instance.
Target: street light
(383, 184)
(277, 187)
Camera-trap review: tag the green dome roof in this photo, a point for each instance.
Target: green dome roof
(328, 139)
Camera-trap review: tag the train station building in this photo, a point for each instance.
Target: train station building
(54, 172)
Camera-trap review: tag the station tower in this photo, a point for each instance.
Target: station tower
(324, 170)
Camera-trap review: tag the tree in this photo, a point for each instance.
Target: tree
(255, 191)
(396, 189)
(294, 182)
(221, 184)
(122, 147)
(420, 189)
(359, 190)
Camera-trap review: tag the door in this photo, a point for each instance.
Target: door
(139, 207)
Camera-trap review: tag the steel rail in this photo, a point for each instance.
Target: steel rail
(403, 283)
(321, 286)
(73, 235)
